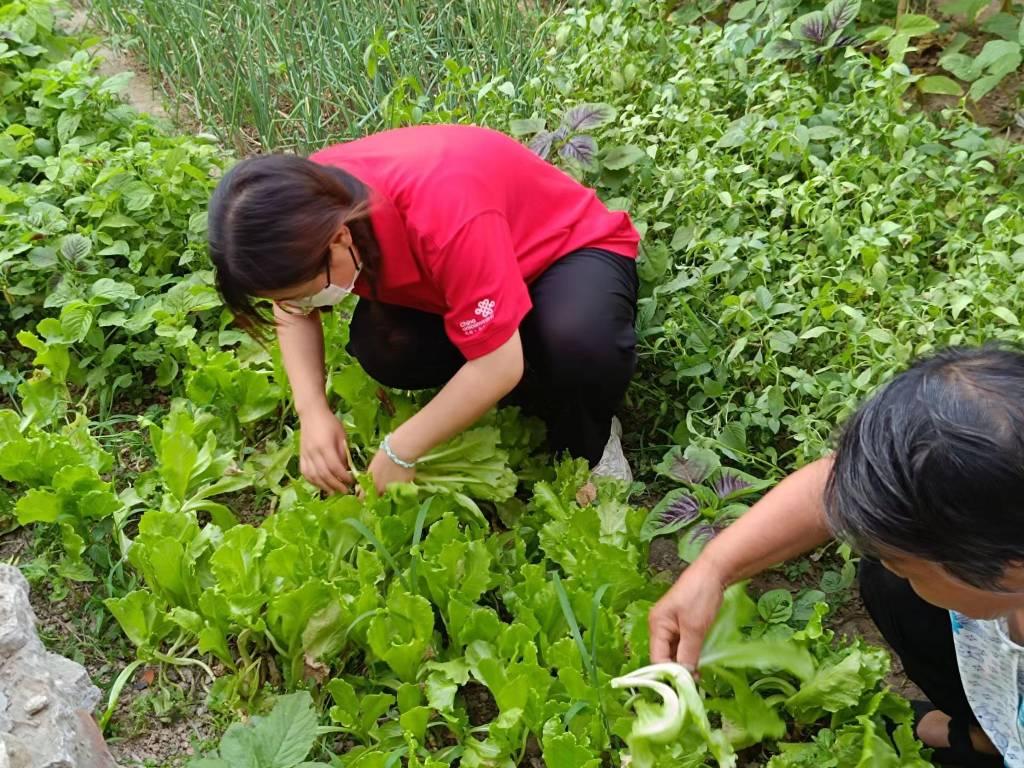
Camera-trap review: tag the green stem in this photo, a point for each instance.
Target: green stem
(178, 661)
(115, 692)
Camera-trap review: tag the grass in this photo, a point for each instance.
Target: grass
(280, 74)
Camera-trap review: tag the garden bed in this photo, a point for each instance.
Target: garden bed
(807, 233)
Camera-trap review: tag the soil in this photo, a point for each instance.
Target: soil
(250, 506)
(480, 704)
(15, 545)
(664, 558)
(1001, 110)
(163, 738)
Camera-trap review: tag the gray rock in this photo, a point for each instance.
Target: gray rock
(46, 701)
(36, 704)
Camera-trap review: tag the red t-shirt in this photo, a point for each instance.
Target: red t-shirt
(466, 218)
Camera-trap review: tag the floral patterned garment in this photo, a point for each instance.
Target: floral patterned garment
(992, 671)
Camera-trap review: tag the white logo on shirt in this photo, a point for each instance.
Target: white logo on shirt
(485, 311)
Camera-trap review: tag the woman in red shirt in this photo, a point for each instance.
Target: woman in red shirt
(474, 261)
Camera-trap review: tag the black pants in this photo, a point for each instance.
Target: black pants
(578, 340)
(921, 635)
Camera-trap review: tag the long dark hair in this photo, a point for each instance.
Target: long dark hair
(933, 465)
(271, 221)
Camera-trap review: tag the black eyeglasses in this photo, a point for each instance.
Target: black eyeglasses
(325, 297)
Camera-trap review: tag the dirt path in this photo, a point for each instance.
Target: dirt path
(140, 92)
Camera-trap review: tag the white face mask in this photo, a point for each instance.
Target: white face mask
(328, 296)
(332, 294)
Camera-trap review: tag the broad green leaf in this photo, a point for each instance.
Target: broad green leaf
(116, 83)
(401, 634)
(915, 25)
(236, 566)
(969, 9)
(617, 158)
(741, 9)
(142, 617)
(356, 712)
(1006, 315)
(961, 65)
(682, 237)
(815, 332)
(137, 196)
(981, 87)
(526, 127)
(76, 319)
(53, 356)
(733, 437)
(112, 290)
(748, 719)
(1000, 57)
(1003, 25)
(725, 645)
(824, 132)
(776, 606)
(453, 565)
(443, 682)
(284, 737)
(238, 747)
(415, 721)
(940, 84)
(38, 506)
(75, 247)
(67, 125)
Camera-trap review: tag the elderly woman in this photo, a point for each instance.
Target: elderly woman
(928, 483)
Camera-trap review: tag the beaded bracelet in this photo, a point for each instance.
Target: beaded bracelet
(386, 447)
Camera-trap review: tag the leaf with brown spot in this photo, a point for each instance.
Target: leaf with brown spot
(586, 495)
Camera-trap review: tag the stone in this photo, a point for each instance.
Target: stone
(46, 701)
(36, 704)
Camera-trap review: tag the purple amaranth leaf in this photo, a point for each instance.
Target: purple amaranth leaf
(541, 144)
(781, 48)
(694, 540)
(847, 40)
(688, 470)
(839, 14)
(812, 27)
(561, 133)
(703, 534)
(691, 466)
(586, 117)
(580, 149)
(727, 485)
(683, 510)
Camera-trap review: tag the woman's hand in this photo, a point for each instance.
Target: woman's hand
(476, 387)
(789, 521)
(680, 621)
(322, 451)
(385, 472)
